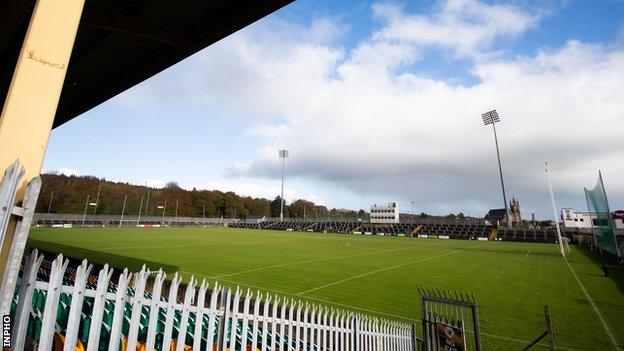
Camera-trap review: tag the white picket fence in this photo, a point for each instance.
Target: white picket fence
(209, 319)
(22, 216)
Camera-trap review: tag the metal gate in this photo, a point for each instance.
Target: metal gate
(450, 320)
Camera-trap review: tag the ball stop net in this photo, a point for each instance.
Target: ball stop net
(603, 223)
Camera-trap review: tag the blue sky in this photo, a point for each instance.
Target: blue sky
(378, 102)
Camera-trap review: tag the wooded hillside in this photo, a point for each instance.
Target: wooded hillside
(68, 194)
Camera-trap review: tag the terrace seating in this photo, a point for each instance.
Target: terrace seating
(547, 235)
(456, 231)
(248, 225)
(453, 231)
(335, 227)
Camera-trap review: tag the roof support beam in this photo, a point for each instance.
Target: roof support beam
(113, 21)
(12, 15)
(33, 96)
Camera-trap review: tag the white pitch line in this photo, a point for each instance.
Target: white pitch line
(591, 301)
(309, 298)
(375, 311)
(541, 343)
(144, 247)
(261, 242)
(311, 261)
(191, 244)
(359, 247)
(380, 270)
(528, 253)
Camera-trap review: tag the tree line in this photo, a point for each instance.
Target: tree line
(69, 194)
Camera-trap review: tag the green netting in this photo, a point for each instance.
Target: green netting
(603, 230)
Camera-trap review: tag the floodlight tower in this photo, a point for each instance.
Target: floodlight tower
(491, 117)
(164, 208)
(50, 203)
(283, 154)
(123, 209)
(97, 199)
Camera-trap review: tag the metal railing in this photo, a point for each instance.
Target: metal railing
(61, 218)
(134, 219)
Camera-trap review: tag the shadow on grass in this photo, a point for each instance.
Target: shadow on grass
(77, 254)
(616, 271)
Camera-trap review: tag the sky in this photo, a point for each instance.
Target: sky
(379, 101)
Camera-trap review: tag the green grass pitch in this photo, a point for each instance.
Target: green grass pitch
(379, 275)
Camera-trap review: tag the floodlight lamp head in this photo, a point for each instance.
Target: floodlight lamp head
(283, 153)
(490, 117)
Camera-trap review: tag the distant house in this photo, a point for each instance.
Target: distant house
(496, 216)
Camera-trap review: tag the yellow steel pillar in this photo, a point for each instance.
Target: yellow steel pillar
(35, 90)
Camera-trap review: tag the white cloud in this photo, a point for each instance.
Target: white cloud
(68, 171)
(258, 189)
(269, 130)
(352, 119)
(464, 26)
(154, 183)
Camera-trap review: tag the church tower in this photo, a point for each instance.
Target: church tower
(514, 209)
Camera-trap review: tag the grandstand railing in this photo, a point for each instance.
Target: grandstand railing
(403, 220)
(46, 218)
(443, 220)
(49, 218)
(316, 220)
(72, 309)
(60, 218)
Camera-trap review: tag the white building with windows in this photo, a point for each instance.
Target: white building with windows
(385, 214)
(573, 219)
